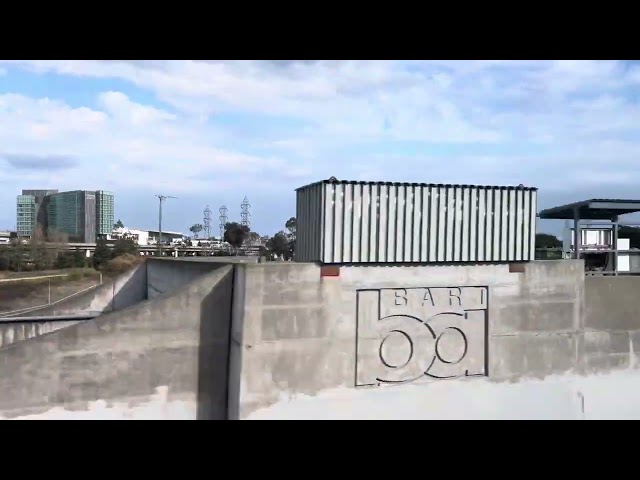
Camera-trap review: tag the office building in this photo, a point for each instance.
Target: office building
(26, 215)
(73, 213)
(83, 215)
(105, 216)
(32, 211)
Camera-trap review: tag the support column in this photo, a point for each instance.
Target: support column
(577, 234)
(615, 245)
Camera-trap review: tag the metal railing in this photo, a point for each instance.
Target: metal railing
(12, 313)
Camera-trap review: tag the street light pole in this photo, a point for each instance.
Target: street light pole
(162, 198)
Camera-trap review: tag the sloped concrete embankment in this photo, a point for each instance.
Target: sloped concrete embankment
(161, 358)
(148, 280)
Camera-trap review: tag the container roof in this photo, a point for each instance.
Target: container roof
(417, 184)
(594, 209)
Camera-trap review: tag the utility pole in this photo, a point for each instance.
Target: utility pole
(162, 199)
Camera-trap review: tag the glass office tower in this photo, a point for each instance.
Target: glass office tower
(105, 215)
(26, 215)
(74, 213)
(42, 201)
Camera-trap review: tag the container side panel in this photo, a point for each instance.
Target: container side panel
(432, 228)
(482, 225)
(449, 226)
(457, 223)
(496, 216)
(526, 216)
(511, 238)
(519, 225)
(392, 201)
(347, 223)
(329, 222)
(532, 224)
(400, 237)
(467, 215)
(418, 221)
(356, 216)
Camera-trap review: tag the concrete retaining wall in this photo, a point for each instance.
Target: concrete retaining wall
(497, 344)
(612, 322)
(533, 341)
(13, 332)
(165, 358)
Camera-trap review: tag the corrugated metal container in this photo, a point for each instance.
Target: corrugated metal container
(384, 222)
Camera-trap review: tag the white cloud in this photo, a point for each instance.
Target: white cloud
(142, 146)
(277, 124)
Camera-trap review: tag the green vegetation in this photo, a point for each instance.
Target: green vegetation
(282, 243)
(235, 234)
(545, 240)
(196, 229)
(38, 256)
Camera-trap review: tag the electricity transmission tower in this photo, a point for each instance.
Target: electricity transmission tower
(162, 198)
(207, 222)
(244, 212)
(223, 221)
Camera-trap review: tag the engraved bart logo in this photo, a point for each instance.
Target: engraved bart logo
(409, 334)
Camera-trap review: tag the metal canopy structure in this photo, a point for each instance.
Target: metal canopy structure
(593, 210)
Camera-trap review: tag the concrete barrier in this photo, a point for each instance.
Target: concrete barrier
(433, 342)
(280, 340)
(162, 358)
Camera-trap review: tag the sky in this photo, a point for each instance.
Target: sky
(213, 132)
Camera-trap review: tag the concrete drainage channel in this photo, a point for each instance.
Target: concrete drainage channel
(18, 329)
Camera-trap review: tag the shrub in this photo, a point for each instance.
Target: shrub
(122, 263)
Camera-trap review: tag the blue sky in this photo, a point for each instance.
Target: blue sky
(213, 132)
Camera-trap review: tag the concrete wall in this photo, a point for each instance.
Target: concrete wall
(15, 331)
(612, 321)
(167, 274)
(114, 294)
(427, 342)
(488, 341)
(165, 358)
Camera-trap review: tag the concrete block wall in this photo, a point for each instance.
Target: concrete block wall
(277, 340)
(612, 322)
(165, 359)
(166, 274)
(501, 344)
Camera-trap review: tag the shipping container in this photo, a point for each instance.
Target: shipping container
(345, 222)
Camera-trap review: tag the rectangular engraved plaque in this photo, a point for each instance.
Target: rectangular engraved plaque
(410, 334)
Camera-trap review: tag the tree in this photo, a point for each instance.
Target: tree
(41, 255)
(124, 246)
(102, 254)
(79, 259)
(196, 229)
(65, 260)
(235, 234)
(5, 261)
(118, 224)
(280, 244)
(292, 226)
(545, 240)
